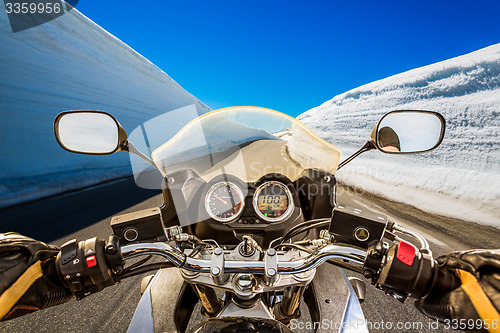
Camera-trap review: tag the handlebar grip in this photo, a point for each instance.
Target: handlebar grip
(444, 281)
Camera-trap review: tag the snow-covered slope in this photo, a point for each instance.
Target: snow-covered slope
(70, 63)
(461, 178)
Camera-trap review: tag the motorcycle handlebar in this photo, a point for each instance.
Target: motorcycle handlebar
(401, 270)
(400, 279)
(180, 260)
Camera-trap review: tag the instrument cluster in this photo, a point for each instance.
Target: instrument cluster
(228, 201)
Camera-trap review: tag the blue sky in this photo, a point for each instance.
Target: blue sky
(293, 55)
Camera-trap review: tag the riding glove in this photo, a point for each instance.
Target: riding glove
(478, 297)
(28, 277)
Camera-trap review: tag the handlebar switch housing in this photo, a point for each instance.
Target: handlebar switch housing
(86, 267)
(113, 254)
(404, 271)
(373, 262)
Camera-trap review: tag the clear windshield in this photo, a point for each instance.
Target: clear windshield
(245, 142)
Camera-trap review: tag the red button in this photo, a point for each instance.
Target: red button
(406, 252)
(91, 261)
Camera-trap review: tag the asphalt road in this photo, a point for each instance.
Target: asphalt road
(444, 235)
(85, 214)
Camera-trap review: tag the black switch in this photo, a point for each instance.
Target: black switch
(77, 285)
(68, 251)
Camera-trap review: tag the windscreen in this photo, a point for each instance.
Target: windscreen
(246, 142)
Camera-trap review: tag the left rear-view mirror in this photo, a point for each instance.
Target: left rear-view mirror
(409, 132)
(89, 132)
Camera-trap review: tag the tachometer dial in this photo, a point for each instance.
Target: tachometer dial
(273, 201)
(224, 201)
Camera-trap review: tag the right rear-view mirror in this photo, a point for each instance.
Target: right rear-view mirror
(409, 132)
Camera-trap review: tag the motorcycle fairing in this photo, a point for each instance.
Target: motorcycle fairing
(332, 302)
(142, 320)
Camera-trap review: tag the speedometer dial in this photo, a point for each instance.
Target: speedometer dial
(224, 201)
(273, 201)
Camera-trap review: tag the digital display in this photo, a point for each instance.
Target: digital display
(273, 201)
(271, 205)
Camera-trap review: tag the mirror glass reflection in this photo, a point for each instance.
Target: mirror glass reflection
(409, 132)
(88, 132)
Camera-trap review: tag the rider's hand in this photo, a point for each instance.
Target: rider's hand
(477, 298)
(28, 277)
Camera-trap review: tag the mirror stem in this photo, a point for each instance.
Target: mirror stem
(366, 147)
(133, 150)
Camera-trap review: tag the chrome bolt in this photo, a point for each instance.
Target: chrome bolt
(218, 251)
(271, 272)
(215, 271)
(271, 252)
(244, 282)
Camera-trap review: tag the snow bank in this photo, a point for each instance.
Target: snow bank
(461, 178)
(70, 63)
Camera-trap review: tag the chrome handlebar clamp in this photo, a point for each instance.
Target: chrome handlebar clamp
(217, 267)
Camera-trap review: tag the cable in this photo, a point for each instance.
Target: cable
(345, 265)
(305, 224)
(146, 268)
(195, 240)
(197, 249)
(290, 234)
(299, 226)
(303, 242)
(295, 246)
(140, 262)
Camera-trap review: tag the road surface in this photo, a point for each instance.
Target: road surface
(86, 213)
